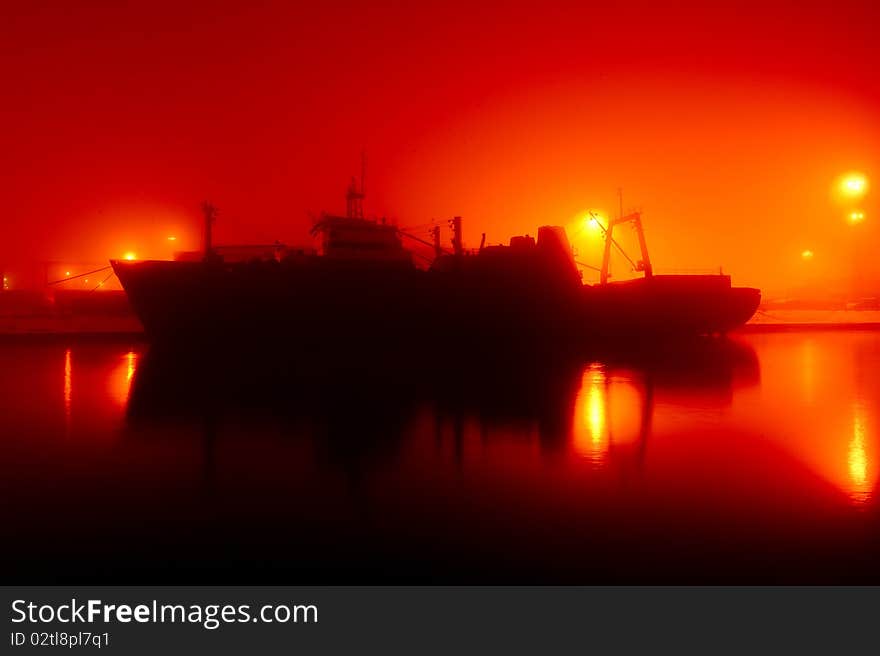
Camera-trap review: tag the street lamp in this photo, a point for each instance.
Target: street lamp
(856, 216)
(853, 185)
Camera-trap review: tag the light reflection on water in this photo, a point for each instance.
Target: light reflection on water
(826, 427)
(119, 382)
(613, 410)
(609, 407)
(589, 434)
(68, 390)
(861, 482)
(771, 439)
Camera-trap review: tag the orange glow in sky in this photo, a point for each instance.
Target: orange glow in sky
(727, 129)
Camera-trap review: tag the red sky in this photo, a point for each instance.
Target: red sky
(725, 122)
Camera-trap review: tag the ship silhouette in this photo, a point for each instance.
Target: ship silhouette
(361, 293)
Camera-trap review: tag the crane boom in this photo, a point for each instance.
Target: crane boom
(644, 264)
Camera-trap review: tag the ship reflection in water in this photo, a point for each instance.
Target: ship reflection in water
(753, 459)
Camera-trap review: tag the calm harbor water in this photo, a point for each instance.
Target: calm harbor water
(749, 460)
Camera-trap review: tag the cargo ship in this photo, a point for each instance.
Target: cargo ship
(361, 290)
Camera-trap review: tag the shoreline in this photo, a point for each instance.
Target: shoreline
(806, 326)
(138, 335)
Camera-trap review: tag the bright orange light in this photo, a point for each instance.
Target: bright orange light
(856, 217)
(593, 221)
(853, 185)
(130, 256)
(172, 238)
(807, 254)
(67, 273)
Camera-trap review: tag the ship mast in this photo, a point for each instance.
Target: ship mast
(435, 238)
(457, 244)
(355, 195)
(210, 214)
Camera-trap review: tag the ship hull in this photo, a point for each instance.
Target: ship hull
(332, 309)
(671, 305)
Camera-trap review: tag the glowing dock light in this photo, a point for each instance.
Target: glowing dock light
(853, 185)
(856, 217)
(130, 256)
(807, 254)
(594, 221)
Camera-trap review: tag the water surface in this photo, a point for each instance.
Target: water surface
(749, 460)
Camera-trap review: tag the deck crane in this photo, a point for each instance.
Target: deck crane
(642, 265)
